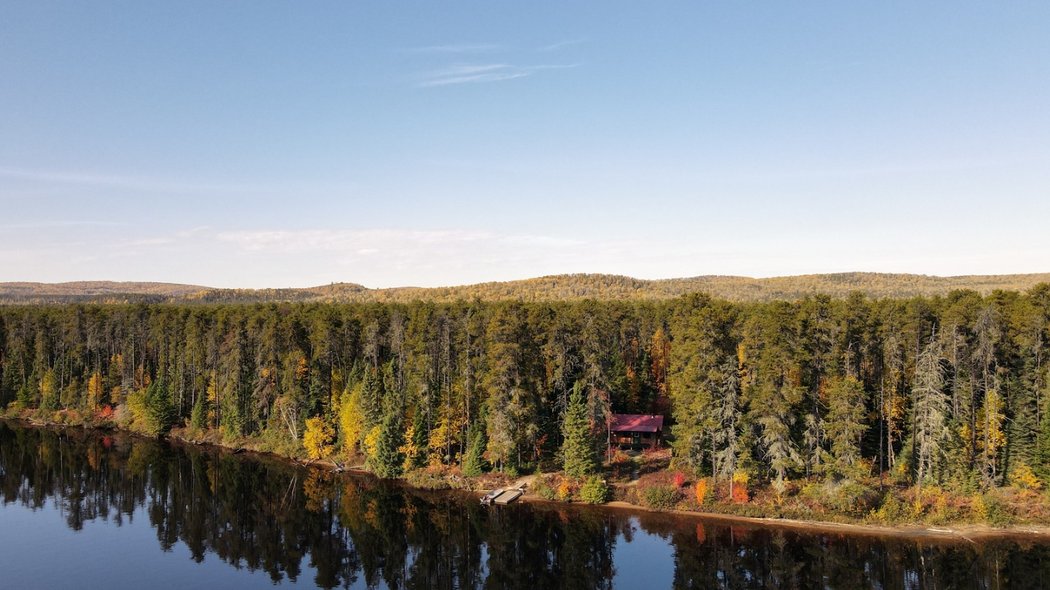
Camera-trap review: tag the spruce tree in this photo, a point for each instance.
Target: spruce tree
(845, 422)
(387, 461)
(578, 454)
(726, 437)
(160, 415)
(199, 414)
(474, 462)
(930, 409)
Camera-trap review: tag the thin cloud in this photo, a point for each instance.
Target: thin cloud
(58, 225)
(479, 73)
(370, 240)
(138, 183)
(560, 45)
(456, 48)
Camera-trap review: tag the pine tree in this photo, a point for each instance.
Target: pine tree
(474, 462)
(845, 422)
(726, 437)
(387, 461)
(160, 415)
(578, 449)
(930, 413)
(199, 414)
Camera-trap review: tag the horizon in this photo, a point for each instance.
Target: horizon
(391, 146)
(525, 279)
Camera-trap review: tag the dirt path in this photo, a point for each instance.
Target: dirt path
(524, 482)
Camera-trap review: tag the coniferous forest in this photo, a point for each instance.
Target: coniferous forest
(787, 398)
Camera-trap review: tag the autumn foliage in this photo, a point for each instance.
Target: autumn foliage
(319, 438)
(740, 493)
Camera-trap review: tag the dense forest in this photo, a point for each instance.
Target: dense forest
(574, 287)
(949, 391)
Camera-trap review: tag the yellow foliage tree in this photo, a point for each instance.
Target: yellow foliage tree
(444, 436)
(49, 390)
(990, 435)
(351, 420)
(1023, 477)
(319, 438)
(409, 449)
(213, 401)
(95, 390)
(372, 440)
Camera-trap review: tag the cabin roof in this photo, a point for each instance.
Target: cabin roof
(637, 423)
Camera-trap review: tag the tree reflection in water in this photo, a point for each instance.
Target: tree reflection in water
(267, 515)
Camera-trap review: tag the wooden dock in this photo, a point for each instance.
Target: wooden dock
(507, 497)
(502, 496)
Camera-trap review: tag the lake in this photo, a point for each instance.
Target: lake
(89, 509)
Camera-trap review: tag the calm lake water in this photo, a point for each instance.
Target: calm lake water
(83, 509)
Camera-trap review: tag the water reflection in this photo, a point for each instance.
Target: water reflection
(268, 516)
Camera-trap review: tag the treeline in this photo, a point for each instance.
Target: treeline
(948, 390)
(571, 287)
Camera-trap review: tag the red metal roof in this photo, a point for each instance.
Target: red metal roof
(637, 423)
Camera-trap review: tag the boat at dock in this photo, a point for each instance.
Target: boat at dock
(489, 497)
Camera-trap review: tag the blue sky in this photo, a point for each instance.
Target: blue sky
(252, 144)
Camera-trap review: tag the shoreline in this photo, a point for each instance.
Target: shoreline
(971, 533)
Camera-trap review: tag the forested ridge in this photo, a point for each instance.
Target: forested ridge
(573, 287)
(940, 391)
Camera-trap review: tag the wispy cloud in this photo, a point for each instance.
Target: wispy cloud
(477, 73)
(138, 183)
(455, 48)
(560, 45)
(58, 224)
(372, 241)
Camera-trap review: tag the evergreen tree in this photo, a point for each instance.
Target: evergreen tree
(160, 415)
(473, 461)
(930, 413)
(727, 436)
(387, 460)
(845, 422)
(578, 449)
(199, 414)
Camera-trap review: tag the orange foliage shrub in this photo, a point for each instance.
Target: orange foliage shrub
(565, 489)
(740, 494)
(105, 413)
(701, 491)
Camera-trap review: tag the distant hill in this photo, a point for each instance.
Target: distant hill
(549, 288)
(95, 291)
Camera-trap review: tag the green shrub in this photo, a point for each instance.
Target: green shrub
(989, 508)
(427, 480)
(543, 488)
(846, 496)
(659, 497)
(594, 491)
(892, 510)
